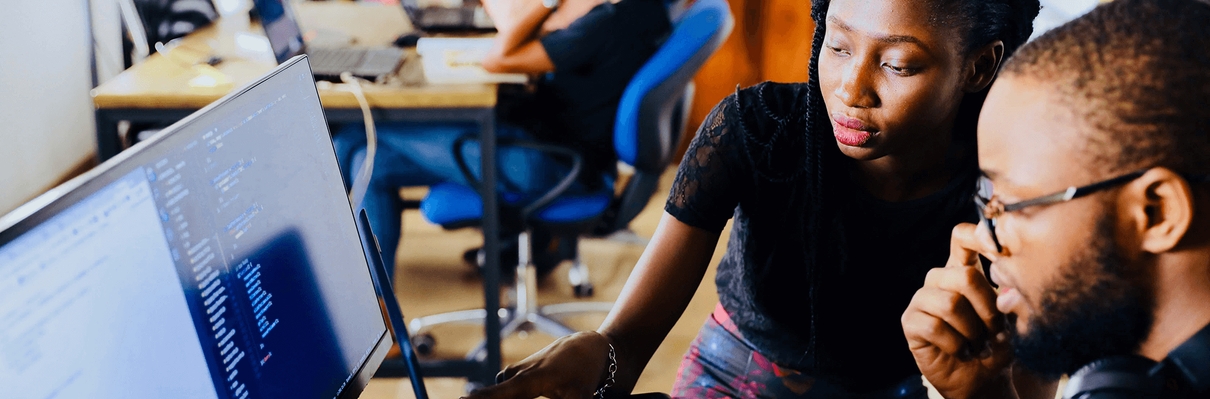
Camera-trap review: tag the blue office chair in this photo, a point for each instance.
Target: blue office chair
(649, 122)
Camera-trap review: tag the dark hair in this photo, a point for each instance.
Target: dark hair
(982, 21)
(986, 21)
(1138, 72)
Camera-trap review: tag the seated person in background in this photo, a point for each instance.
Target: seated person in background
(585, 51)
(1113, 102)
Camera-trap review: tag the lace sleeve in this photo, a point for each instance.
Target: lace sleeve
(713, 173)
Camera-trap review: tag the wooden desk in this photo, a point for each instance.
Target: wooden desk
(179, 80)
(169, 86)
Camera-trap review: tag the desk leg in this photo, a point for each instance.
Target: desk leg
(108, 142)
(491, 246)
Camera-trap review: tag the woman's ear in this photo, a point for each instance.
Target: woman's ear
(982, 66)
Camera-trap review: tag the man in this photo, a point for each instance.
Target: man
(1114, 273)
(585, 52)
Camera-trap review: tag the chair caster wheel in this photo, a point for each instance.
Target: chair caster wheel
(424, 344)
(583, 290)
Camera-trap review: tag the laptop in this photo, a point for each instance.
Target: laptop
(286, 39)
(470, 16)
(218, 259)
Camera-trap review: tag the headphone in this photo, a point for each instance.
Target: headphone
(1115, 377)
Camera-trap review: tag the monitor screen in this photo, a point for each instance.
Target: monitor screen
(285, 36)
(221, 259)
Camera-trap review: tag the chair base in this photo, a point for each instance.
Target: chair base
(523, 315)
(545, 320)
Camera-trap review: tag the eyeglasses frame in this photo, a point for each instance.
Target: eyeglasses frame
(1071, 193)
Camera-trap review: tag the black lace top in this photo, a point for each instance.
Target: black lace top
(747, 163)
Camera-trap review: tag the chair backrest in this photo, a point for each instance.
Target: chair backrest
(152, 21)
(652, 110)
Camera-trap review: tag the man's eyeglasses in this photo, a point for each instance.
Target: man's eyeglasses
(990, 208)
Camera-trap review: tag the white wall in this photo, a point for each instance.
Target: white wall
(1058, 12)
(46, 122)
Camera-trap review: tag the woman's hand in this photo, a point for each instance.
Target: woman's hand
(572, 367)
(661, 285)
(953, 327)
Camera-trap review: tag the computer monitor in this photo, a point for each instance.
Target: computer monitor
(218, 259)
(281, 28)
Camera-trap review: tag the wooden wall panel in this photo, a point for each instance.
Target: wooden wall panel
(786, 30)
(771, 41)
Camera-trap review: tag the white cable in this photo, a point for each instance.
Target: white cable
(361, 179)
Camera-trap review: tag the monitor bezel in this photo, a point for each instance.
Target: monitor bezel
(46, 206)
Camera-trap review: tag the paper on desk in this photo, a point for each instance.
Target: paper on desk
(460, 60)
(441, 3)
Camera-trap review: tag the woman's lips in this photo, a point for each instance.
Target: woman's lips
(852, 132)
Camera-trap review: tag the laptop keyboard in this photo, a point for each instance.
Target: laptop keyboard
(444, 17)
(381, 59)
(336, 59)
(363, 62)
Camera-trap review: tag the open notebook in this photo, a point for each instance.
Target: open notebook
(460, 60)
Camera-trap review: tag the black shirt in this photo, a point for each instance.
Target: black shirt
(1186, 370)
(595, 57)
(1183, 374)
(744, 163)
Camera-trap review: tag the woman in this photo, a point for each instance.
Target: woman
(843, 191)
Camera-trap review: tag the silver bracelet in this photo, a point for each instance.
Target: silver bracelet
(613, 370)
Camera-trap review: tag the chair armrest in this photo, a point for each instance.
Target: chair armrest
(577, 164)
(461, 162)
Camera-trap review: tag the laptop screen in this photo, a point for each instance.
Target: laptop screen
(220, 259)
(281, 27)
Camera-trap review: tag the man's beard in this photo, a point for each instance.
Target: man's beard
(1098, 307)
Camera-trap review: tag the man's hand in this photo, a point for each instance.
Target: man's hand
(570, 368)
(953, 327)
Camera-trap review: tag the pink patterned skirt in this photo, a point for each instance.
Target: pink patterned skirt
(722, 364)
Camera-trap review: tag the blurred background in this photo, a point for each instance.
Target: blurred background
(55, 51)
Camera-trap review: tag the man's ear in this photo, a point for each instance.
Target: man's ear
(982, 66)
(1161, 205)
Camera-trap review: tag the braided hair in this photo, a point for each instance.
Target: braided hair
(981, 22)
